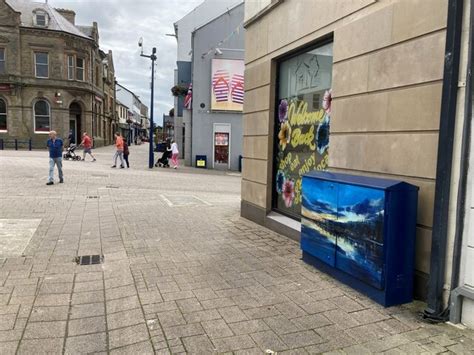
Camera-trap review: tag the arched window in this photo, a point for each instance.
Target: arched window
(42, 116)
(3, 115)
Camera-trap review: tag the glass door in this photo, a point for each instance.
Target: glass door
(221, 150)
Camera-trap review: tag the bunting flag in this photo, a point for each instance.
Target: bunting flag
(238, 89)
(188, 100)
(220, 85)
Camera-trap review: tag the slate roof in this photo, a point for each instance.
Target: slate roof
(56, 21)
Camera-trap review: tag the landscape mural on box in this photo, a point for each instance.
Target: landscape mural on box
(344, 228)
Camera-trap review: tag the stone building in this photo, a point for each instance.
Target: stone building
(381, 82)
(52, 74)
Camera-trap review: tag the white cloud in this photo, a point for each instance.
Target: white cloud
(121, 23)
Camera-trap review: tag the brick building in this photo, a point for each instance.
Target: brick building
(52, 75)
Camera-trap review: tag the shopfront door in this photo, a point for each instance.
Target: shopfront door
(221, 159)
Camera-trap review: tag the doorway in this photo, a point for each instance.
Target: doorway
(75, 115)
(221, 146)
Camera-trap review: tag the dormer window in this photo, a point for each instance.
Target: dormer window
(41, 18)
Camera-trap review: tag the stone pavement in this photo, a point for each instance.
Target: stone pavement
(182, 272)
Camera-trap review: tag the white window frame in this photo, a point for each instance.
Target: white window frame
(4, 60)
(83, 69)
(46, 18)
(71, 68)
(34, 116)
(6, 115)
(36, 64)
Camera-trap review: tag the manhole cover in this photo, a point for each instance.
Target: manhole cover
(89, 259)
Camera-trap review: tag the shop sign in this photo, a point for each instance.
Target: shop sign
(5, 87)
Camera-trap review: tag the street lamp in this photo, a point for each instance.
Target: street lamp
(151, 158)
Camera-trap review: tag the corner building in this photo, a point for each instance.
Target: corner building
(51, 75)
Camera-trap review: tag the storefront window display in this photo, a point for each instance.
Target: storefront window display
(302, 123)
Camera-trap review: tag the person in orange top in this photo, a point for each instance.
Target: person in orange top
(87, 144)
(119, 150)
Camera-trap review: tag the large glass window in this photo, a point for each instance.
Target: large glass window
(41, 65)
(2, 61)
(80, 69)
(3, 115)
(42, 116)
(302, 124)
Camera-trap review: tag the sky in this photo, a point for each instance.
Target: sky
(121, 23)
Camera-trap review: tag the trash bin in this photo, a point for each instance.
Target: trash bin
(240, 163)
(201, 161)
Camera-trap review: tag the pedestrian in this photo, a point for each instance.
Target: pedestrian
(55, 146)
(126, 153)
(174, 154)
(87, 144)
(119, 150)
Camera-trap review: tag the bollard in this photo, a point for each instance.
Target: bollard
(1, 144)
(16, 144)
(29, 145)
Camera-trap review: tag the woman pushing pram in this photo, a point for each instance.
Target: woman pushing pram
(163, 162)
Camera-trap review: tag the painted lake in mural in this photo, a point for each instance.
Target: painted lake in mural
(343, 226)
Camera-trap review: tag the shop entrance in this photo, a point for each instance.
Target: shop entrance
(221, 147)
(75, 114)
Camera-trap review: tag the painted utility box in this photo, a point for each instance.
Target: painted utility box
(361, 230)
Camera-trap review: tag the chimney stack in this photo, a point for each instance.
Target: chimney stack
(68, 15)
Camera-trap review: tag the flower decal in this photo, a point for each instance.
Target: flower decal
(322, 136)
(284, 135)
(280, 181)
(283, 111)
(288, 192)
(327, 100)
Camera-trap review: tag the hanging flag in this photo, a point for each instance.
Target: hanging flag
(188, 100)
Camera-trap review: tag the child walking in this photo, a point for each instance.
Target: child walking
(174, 154)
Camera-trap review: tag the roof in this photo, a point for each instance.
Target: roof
(87, 30)
(56, 21)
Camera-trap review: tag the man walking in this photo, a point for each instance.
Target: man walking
(87, 144)
(119, 150)
(55, 146)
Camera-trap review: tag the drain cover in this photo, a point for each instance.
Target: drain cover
(90, 259)
(93, 196)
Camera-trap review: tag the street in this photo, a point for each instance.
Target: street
(181, 271)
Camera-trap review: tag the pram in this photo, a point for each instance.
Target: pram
(70, 153)
(163, 161)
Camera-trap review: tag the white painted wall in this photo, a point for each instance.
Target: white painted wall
(207, 11)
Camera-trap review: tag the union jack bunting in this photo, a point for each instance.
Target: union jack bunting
(188, 100)
(238, 89)
(220, 85)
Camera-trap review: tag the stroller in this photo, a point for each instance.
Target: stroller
(70, 153)
(163, 161)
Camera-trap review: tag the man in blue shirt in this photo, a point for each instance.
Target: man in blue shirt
(55, 146)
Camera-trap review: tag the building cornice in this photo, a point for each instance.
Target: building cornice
(263, 12)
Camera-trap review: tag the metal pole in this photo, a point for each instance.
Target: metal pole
(151, 159)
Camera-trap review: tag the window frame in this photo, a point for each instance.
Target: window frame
(278, 61)
(36, 64)
(41, 13)
(4, 60)
(82, 69)
(4, 114)
(71, 69)
(34, 116)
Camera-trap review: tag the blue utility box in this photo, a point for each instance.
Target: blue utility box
(361, 230)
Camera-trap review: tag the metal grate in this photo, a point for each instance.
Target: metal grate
(111, 186)
(90, 259)
(92, 196)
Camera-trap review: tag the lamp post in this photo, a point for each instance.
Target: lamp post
(151, 158)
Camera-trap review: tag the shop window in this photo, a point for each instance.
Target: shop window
(2, 61)
(3, 116)
(80, 69)
(302, 123)
(42, 117)
(41, 65)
